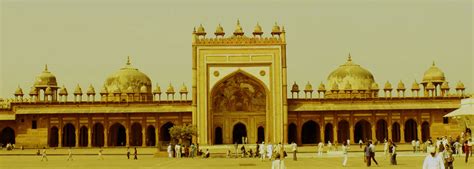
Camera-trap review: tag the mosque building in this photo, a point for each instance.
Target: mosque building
(239, 89)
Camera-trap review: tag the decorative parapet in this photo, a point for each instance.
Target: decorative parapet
(240, 40)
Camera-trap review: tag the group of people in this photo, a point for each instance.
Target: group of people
(8, 146)
(179, 151)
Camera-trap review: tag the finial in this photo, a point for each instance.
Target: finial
(238, 22)
(276, 24)
(194, 30)
(128, 60)
(434, 63)
(46, 67)
(283, 28)
(349, 58)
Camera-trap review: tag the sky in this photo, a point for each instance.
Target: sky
(85, 41)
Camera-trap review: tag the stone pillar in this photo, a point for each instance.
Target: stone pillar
(321, 132)
(334, 133)
(106, 136)
(374, 134)
(144, 136)
(298, 134)
(418, 128)
(351, 135)
(402, 133)
(89, 136)
(389, 132)
(127, 133)
(157, 136)
(60, 137)
(77, 136)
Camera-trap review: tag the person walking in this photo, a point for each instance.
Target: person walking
(372, 152)
(69, 156)
(393, 153)
(294, 147)
(169, 150)
(100, 154)
(128, 153)
(385, 149)
(135, 154)
(413, 145)
(269, 151)
(257, 149)
(448, 157)
(329, 146)
(43, 154)
(360, 143)
(236, 146)
(466, 150)
(367, 154)
(262, 151)
(193, 150)
(277, 163)
(431, 161)
(345, 148)
(417, 145)
(320, 148)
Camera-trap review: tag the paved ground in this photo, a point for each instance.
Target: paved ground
(406, 160)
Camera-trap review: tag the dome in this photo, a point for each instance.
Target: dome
(219, 31)
(433, 74)
(45, 79)
(353, 74)
(126, 78)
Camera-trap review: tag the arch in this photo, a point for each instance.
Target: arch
(292, 133)
(425, 131)
(234, 94)
(310, 133)
(7, 135)
(328, 133)
(218, 136)
(381, 132)
(53, 137)
(238, 132)
(411, 132)
(165, 137)
(117, 135)
(343, 132)
(98, 135)
(136, 135)
(69, 135)
(150, 136)
(362, 131)
(83, 136)
(260, 134)
(396, 132)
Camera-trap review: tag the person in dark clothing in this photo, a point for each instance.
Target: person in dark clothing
(135, 154)
(128, 153)
(367, 154)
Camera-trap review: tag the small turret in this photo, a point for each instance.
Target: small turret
(295, 89)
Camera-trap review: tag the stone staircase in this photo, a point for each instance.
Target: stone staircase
(33, 138)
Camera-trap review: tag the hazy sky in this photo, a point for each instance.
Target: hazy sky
(84, 41)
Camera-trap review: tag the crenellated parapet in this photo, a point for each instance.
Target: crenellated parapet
(238, 37)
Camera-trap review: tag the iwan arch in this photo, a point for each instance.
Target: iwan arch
(239, 89)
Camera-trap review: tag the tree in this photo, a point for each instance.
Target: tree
(183, 134)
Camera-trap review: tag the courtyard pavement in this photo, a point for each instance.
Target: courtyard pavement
(114, 158)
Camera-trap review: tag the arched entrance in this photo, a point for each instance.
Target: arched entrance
(83, 136)
(165, 137)
(396, 132)
(150, 136)
(343, 132)
(237, 96)
(238, 133)
(381, 133)
(411, 132)
(98, 135)
(425, 131)
(69, 135)
(7, 135)
(328, 133)
(362, 131)
(53, 137)
(260, 134)
(310, 133)
(218, 136)
(136, 135)
(117, 135)
(292, 133)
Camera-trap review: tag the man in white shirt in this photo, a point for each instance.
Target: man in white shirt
(417, 145)
(269, 150)
(431, 161)
(320, 148)
(170, 151)
(294, 149)
(262, 151)
(385, 149)
(413, 144)
(329, 146)
(277, 163)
